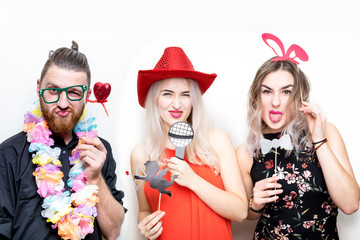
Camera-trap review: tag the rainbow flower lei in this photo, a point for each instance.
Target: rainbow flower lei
(73, 212)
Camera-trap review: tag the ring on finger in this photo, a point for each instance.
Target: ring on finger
(147, 229)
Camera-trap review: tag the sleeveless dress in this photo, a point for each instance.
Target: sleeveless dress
(186, 215)
(304, 210)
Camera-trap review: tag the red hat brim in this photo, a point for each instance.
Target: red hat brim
(147, 77)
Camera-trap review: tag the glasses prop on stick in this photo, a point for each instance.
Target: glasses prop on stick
(180, 134)
(77, 179)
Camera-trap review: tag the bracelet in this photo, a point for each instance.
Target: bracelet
(325, 140)
(250, 207)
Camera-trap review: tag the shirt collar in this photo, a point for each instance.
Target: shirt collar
(59, 141)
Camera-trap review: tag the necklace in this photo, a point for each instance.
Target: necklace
(72, 212)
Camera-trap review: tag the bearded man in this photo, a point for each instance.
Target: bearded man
(55, 182)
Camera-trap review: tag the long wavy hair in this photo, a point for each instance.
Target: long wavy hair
(199, 151)
(296, 126)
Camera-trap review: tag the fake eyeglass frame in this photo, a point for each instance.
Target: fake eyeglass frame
(59, 90)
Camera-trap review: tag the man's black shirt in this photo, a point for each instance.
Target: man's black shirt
(20, 204)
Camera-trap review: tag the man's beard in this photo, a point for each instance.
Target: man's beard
(61, 125)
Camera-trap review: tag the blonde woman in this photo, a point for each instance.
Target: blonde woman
(208, 190)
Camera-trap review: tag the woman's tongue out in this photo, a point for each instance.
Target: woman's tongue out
(275, 116)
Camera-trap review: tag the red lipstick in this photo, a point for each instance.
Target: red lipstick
(175, 114)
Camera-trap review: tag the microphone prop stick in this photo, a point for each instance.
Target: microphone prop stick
(180, 134)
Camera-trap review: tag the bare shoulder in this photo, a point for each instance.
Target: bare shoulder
(331, 128)
(217, 135)
(138, 154)
(243, 156)
(335, 140)
(332, 134)
(221, 143)
(242, 150)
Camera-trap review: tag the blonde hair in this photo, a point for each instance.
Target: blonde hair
(296, 126)
(156, 137)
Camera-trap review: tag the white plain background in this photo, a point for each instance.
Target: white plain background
(224, 37)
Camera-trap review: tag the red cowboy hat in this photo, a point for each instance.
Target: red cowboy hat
(173, 63)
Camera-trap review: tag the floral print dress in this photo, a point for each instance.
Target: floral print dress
(304, 210)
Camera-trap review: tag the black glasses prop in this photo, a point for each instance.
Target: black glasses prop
(180, 134)
(73, 93)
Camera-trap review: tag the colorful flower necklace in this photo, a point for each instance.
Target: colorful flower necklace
(72, 213)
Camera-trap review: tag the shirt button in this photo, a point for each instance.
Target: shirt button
(64, 152)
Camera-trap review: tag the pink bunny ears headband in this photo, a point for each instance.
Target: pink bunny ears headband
(295, 49)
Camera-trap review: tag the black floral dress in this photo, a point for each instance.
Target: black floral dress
(304, 210)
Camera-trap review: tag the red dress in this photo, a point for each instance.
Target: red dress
(186, 215)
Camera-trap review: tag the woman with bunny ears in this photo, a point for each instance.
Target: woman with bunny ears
(294, 164)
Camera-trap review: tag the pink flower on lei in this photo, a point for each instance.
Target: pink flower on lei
(79, 183)
(92, 133)
(85, 226)
(41, 134)
(45, 189)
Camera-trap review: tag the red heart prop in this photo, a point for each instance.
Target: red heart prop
(102, 91)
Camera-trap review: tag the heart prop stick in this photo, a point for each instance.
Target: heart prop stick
(180, 134)
(101, 92)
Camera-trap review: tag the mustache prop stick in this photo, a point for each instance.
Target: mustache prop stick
(180, 134)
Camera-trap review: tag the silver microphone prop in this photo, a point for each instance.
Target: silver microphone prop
(180, 134)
